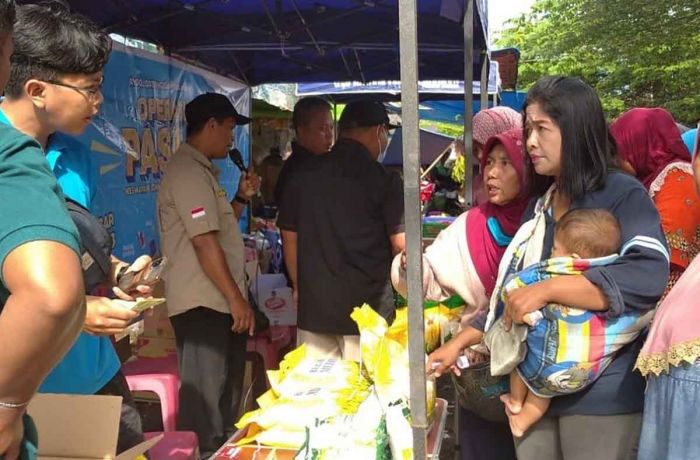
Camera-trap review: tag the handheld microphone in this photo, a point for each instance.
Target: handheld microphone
(235, 155)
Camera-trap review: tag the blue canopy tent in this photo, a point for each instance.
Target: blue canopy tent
(390, 90)
(292, 41)
(453, 111)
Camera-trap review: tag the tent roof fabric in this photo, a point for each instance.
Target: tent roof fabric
(273, 41)
(431, 145)
(390, 90)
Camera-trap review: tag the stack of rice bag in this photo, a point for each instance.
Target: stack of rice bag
(441, 320)
(302, 392)
(336, 409)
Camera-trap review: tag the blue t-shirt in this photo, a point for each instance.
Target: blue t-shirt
(689, 138)
(92, 361)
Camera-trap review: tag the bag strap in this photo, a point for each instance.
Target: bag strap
(525, 249)
(90, 243)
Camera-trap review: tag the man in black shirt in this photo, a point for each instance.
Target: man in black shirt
(313, 127)
(347, 212)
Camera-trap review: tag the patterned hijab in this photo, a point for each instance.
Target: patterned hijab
(489, 122)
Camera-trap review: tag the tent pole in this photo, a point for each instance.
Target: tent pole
(484, 81)
(425, 172)
(468, 88)
(335, 121)
(468, 28)
(408, 39)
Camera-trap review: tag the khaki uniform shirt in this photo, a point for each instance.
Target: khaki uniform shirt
(191, 202)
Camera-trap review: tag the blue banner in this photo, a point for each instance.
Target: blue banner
(140, 125)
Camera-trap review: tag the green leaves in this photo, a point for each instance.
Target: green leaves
(634, 52)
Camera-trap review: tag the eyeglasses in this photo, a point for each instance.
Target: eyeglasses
(92, 93)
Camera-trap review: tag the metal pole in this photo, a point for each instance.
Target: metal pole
(484, 87)
(468, 88)
(468, 28)
(335, 121)
(408, 38)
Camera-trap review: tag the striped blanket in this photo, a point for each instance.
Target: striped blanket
(569, 348)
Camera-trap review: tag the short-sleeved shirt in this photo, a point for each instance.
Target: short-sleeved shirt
(289, 168)
(92, 361)
(344, 206)
(689, 138)
(32, 208)
(191, 203)
(71, 163)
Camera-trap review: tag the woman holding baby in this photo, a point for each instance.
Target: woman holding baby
(572, 164)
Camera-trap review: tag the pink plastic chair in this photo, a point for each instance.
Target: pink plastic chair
(159, 375)
(268, 344)
(175, 445)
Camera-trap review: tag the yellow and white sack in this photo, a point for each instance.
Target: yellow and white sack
(384, 352)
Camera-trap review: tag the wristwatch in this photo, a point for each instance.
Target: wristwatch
(241, 200)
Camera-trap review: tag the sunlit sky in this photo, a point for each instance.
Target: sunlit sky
(502, 10)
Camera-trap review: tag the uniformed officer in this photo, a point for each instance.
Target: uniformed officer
(205, 277)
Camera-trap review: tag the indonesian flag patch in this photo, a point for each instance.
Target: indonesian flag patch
(198, 213)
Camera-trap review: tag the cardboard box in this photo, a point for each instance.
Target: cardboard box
(275, 300)
(84, 427)
(155, 347)
(254, 453)
(157, 323)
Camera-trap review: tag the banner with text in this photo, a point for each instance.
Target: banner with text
(140, 125)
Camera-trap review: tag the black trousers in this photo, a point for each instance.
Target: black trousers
(481, 439)
(211, 358)
(130, 428)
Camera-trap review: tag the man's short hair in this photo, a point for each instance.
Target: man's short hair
(589, 232)
(7, 16)
(51, 42)
(305, 109)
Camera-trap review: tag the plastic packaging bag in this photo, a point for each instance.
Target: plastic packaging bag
(303, 392)
(384, 351)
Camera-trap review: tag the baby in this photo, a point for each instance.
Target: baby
(565, 349)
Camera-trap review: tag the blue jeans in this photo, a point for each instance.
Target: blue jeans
(671, 415)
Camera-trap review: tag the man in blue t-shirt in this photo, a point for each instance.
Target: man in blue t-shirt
(54, 85)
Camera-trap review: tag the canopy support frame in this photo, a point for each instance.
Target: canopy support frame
(408, 42)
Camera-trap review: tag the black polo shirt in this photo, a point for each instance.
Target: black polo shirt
(344, 206)
(298, 156)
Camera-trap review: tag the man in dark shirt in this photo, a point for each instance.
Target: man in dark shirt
(313, 127)
(347, 212)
